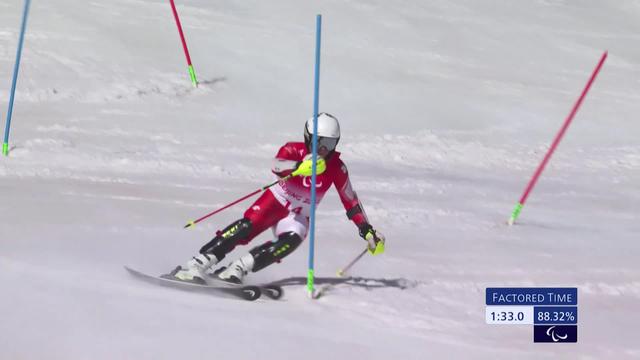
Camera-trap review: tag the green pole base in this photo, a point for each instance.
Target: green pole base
(192, 74)
(310, 283)
(515, 213)
(5, 149)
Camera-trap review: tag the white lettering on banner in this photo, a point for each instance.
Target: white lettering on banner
(517, 298)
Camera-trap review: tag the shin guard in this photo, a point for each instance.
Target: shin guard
(227, 239)
(270, 252)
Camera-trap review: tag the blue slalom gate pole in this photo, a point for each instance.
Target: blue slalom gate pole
(5, 144)
(314, 159)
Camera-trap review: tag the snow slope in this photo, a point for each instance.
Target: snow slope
(446, 109)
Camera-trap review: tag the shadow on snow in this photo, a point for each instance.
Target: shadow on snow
(361, 282)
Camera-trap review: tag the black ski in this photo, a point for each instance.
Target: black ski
(247, 292)
(270, 290)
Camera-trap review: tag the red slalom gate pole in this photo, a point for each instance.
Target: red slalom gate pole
(192, 72)
(556, 141)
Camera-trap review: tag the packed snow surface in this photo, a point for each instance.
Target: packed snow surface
(446, 108)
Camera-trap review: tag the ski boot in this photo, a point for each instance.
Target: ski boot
(193, 271)
(236, 271)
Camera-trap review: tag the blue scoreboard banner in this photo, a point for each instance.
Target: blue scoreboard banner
(532, 296)
(553, 312)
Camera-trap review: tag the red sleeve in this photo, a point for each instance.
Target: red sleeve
(349, 198)
(286, 160)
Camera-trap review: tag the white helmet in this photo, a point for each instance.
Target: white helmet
(328, 132)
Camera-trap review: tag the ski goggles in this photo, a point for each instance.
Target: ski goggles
(327, 142)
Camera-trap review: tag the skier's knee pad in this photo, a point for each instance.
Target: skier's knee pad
(270, 252)
(227, 239)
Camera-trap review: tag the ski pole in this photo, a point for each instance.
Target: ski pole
(193, 222)
(302, 169)
(342, 271)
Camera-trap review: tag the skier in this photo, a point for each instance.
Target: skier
(285, 208)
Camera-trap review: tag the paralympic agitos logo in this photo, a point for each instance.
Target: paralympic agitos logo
(306, 182)
(555, 333)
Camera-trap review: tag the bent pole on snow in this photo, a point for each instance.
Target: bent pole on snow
(556, 141)
(193, 222)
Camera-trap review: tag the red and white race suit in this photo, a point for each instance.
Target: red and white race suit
(286, 206)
